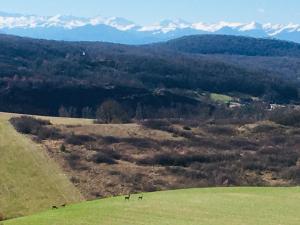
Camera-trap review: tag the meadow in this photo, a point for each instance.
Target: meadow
(226, 206)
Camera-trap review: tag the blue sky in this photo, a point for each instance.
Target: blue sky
(149, 11)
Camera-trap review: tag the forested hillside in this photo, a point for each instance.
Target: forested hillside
(233, 45)
(41, 77)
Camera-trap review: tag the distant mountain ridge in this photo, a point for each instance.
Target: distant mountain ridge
(115, 29)
(232, 45)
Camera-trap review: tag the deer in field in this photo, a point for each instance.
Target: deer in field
(127, 197)
(54, 207)
(141, 197)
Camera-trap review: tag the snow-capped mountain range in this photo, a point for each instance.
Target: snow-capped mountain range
(115, 29)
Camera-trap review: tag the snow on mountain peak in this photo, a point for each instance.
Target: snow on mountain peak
(251, 26)
(174, 23)
(166, 27)
(214, 26)
(120, 23)
(116, 22)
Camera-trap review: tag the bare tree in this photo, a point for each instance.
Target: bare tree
(111, 112)
(139, 112)
(63, 112)
(87, 112)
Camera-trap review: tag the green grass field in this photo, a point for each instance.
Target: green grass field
(30, 181)
(220, 98)
(214, 206)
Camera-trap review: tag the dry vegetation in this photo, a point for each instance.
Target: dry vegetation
(110, 159)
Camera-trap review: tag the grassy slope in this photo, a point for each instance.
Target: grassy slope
(215, 206)
(220, 98)
(29, 180)
(54, 120)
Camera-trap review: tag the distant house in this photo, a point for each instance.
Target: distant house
(276, 106)
(234, 105)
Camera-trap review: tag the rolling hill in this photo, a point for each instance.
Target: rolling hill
(269, 55)
(30, 180)
(232, 45)
(226, 206)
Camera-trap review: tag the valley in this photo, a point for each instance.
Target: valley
(202, 126)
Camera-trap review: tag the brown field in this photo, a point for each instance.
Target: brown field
(112, 159)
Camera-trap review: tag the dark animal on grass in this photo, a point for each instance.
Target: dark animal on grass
(54, 207)
(141, 197)
(64, 205)
(127, 197)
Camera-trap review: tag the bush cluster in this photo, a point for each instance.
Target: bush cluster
(286, 117)
(28, 125)
(34, 126)
(74, 139)
(186, 160)
(108, 156)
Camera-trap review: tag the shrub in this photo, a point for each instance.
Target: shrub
(141, 143)
(280, 139)
(255, 165)
(111, 153)
(187, 173)
(101, 157)
(63, 148)
(295, 131)
(48, 133)
(78, 139)
(75, 180)
(221, 130)
(73, 160)
(292, 173)
(111, 112)
(33, 126)
(242, 143)
(74, 157)
(28, 125)
(180, 133)
(110, 140)
(264, 128)
(157, 124)
(286, 117)
(165, 125)
(187, 128)
(186, 160)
